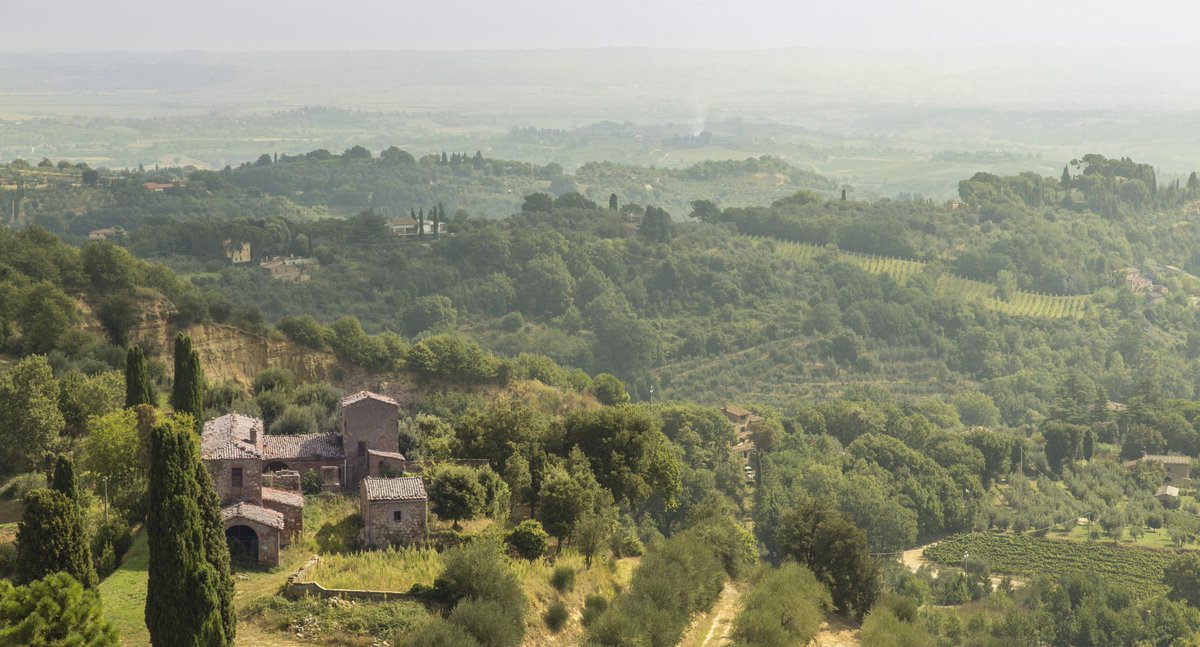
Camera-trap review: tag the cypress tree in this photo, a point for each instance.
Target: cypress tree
(138, 387)
(187, 394)
(189, 593)
(217, 549)
(64, 478)
(1066, 178)
(51, 538)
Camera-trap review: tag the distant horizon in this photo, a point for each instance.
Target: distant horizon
(470, 25)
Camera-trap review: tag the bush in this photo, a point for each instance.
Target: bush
(556, 616)
(785, 608)
(8, 560)
(274, 379)
(439, 633)
(478, 570)
(311, 483)
(325, 617)
(881, 628)
(295, 420)
(110, 543)
(25, 483)
(593, 606)
(563, 579)
(489, 623)
(528, 539)
(626, 543)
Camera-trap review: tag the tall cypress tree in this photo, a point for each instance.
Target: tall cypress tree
(138, 387)
(51, 538)
(189, 594)
(187, 394)
(64, 478)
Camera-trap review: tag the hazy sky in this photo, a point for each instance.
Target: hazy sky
(72, 25)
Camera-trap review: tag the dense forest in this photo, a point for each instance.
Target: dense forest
(575, 353)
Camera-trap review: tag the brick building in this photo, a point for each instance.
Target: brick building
(393, 510)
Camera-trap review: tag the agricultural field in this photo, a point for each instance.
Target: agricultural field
(1029, 556)
(1021, 303)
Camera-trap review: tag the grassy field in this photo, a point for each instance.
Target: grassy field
(394, 569)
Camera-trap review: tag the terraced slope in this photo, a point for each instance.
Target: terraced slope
(1021, 304)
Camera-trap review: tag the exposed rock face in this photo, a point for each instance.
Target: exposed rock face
(229, 354)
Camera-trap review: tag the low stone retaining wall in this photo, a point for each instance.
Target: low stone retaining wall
(295, 589)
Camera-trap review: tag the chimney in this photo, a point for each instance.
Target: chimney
(254, 434)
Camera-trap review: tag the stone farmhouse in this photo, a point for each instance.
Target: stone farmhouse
(393, 509)
(743, 421)
(257, 475)
(1179, 468)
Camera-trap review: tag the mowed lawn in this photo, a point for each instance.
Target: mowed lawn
(124, 596)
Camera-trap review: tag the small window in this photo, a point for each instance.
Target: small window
(362, 448)
(236, 477)
(396, 515)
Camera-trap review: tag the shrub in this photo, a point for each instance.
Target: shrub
(478, 570)
(556, 616)
(25, 483)
(8, 560)
(274, 379)
(295, 420)
(528, 539)
(311, 483)
(593, 606)
(785, 608)
(489, 623)
(563, 578)
(881, 628)
(325, 617)
(439, 633)
(626, 543)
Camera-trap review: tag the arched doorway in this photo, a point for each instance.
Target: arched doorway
(274, 466)
(243, 545)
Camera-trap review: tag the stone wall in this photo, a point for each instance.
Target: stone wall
(293, 519)
(222, 476)
(386, 466)
(380, 527)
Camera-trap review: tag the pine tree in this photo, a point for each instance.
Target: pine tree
(53, 611)
(64, 478)
(187, 395)
(51, 538)
(189, 593)
(138, 387)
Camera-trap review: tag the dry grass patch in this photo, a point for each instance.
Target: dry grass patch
(393, 569)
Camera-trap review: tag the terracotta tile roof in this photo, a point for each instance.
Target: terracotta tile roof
(392, 455)
(285, 446)
(738, 411)
(229, 437)
(257, 514)
(292, 499)
(394, 489)
(367, 395)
